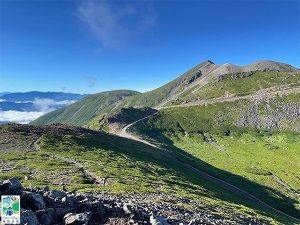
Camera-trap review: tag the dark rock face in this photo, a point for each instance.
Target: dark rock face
(55, 194)
(11, 186)
(28, 217)
(32, 200)
(46, 216)
(271, 115)
(52, 207)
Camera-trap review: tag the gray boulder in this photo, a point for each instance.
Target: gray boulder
(3, 187)
(196, 221)
(28, 218)
(68, 200)
(158, 220)
(48, 216)
(55, 194)
(128, 208)
(32, 200)
(46, 188)
(45, 216)
(77, 219)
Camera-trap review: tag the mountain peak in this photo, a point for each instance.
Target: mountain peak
(208, 61)
(260, 65)
(270, 65)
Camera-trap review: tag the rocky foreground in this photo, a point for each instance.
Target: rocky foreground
(45, 206)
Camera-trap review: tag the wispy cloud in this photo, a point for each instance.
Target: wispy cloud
(92, 80)
(116, 23)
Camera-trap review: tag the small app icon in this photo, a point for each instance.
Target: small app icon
(10, 209)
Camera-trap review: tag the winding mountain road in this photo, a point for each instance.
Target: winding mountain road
(126, 134)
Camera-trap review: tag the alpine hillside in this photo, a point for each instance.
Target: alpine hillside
(236, 126)
(203, 82)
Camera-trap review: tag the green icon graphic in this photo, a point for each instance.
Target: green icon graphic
(10, 209)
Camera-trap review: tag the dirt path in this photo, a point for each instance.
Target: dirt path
(285, 186)
(124, 133)
(97, 180)
(216, 146)
(255, 95)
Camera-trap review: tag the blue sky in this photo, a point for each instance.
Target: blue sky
(92, 46)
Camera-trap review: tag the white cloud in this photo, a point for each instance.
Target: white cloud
(2, 100)
(47, 105)
(44, 104)
(22, 101)
(65, 102)
(19, 117)
(115, 23)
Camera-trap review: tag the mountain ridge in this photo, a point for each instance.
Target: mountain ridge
(84, 110)
(258, 65)
(32, 95)
(199, 77)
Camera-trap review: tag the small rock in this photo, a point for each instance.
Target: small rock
(28, 218)
(158, 220)
(193, 222)
(77, 219)
(55, 194)
(64, 200)
(46, 188)
(127, 208)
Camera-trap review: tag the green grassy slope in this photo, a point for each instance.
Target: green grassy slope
(156, 97)
(209, 137)
(84, 110)
(126, 166)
